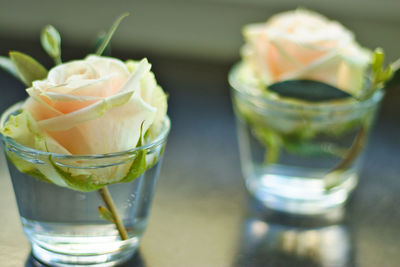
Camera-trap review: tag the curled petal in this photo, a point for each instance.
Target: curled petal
(116, 130)
(141, 70)
(91, 112)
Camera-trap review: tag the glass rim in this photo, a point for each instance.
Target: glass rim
(238, 86)
(160, 139)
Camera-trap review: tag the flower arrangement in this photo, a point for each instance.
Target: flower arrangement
(93, 106)
(311, 72)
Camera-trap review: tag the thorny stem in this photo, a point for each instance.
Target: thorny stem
(108, 201)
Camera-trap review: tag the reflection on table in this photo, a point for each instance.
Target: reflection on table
(135, 261)
(271, 239)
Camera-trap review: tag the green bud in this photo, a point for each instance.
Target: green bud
(377, 60)
(51, 42)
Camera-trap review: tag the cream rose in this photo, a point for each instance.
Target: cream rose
(97, 105)
(302, 44)
(93, 106)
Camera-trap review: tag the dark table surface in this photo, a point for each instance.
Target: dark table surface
(201, 213)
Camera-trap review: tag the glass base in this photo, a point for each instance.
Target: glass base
(66, 244)
(99, 260)
(300, 194)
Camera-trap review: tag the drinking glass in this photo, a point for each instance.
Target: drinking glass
(63, 225)
(300, 157)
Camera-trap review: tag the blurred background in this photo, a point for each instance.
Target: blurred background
(208, 30)
(200, 214)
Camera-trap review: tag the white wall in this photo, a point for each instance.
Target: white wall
(208, 29)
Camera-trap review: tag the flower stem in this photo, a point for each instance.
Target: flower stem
(354, 150)
(332, 178)
(271, 154)
(108, 201)
(57, 60)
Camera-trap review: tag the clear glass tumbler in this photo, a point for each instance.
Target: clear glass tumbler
(63, 225)
(299, 157)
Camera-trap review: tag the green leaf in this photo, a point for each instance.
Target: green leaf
(377, 60)
(51, 43)
(100, 39)
(138, 166)
(387, 74)
(299, 134)
(312, 149)
(110, 33)
(380, 74)
(38, 175)
(395, 66)
(7, 65)
(28, 69)
(105, 214)
(82, 183)
(24, 166)
(308, 90)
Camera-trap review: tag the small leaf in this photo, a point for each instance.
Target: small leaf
(7, 65)
(311, 149)
(51, 42)
(28, 69)
(138, 166)
(377, 60)
(105, 214)
(24, 166)
(387, 74)
(308, 90)
(81, 183)
(110, 33)
(100, 39)
(380, 74)
(38, 175)
(395, 65)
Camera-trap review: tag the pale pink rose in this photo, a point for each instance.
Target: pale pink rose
(302, 44)
(93, 106)
(96, 105)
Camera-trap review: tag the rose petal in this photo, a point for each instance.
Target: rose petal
(91, 112)
(68, 98)
(97, 109)
(38, 107)
(73, 70)
(116, 130)
(106, 86)
(107, 65)
(133, 82)
(63, 103)
(159, 100)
